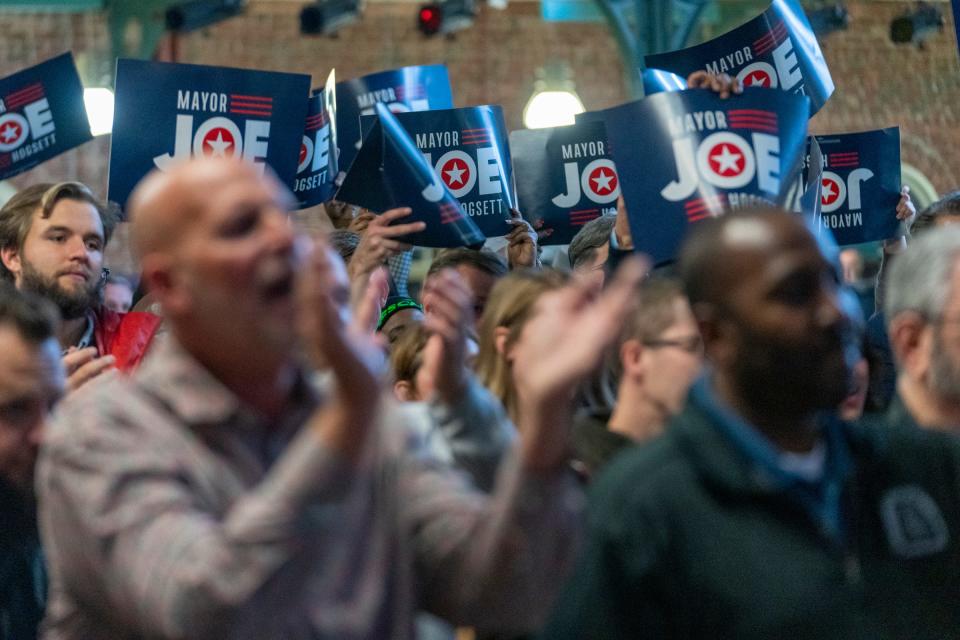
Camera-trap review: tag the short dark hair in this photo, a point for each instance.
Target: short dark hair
(34, 318)
(948, 205)
(345, 243)
(16, 216)
(589, 239)
(482, 260)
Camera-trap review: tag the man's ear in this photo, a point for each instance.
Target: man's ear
(631, 359)
(11, 260)
(404, 391)
(161, 279)
(911, 343)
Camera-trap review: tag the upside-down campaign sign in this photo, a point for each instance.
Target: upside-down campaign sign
(390, 171)
(565, 178)
(317, 163)
(418, 88)
(166, 113)
(860, 185)
(692, 156)
(777, 49)
(41, 115)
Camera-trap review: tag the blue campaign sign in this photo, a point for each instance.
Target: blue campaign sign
(41, 115)
(658, 80)
(390, 171)
(777, 49)
(691, 155)
(565, 178)
(317, 164)
(812, 184)
(167, 113)
(419, 88)
(860, 185)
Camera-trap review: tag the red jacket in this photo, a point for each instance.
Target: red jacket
(125, 336)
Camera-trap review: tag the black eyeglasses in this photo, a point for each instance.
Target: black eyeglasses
(690, 344)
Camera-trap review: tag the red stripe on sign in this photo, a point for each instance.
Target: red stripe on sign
(753, 120)
(843, 165)
(472, 130)
(27, 99)
(236, 104)
(475, 134)
(36, 86)
(753, 127)
(845, 153)
(700, 217)
(234, 96)
(751, 112)
(244, 112)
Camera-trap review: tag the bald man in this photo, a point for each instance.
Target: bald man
(218, 494)
(755, 516)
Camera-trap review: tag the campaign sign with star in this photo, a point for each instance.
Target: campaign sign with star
(565, 178)
(418, 88)
(317, 162)
(468, 149)
(777, 49)
(390, 172)
(658, 80)
(167, 112)
(41, 115)
(860, 185)
(691, 155)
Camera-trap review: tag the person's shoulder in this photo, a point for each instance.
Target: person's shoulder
(644, 472)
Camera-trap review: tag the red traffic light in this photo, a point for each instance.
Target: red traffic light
(429, 19)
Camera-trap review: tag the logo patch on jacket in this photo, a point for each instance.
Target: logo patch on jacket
(913, 523)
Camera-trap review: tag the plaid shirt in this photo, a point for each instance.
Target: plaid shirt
(171, 510)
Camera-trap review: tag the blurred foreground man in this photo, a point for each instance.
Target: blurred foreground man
(751, 517)
(31, 380)
(217, 494)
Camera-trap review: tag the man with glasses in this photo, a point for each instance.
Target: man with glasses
(759, 514)
(922, 305)
(658, 357)
(52, 242)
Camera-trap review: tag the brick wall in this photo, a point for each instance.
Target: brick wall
(878, 84)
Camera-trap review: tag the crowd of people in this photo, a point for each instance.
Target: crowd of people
(302, 444)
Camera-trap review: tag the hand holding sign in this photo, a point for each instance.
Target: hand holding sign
(378, 242)
(723, 84)
(521, 244)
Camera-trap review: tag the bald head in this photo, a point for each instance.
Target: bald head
(719, 252)
(165, 205)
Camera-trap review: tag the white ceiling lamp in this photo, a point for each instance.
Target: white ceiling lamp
(554, 102)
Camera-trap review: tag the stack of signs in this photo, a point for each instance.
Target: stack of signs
(41, 115)
(419, 88)
(390, 171)
(317, 163)
(777, 49)
(690, 156)
(565, 178)
(860, 185)
(167, 113)
(469, 152)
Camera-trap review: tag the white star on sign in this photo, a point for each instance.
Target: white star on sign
(756, 81)
(828, 191)
(9, 133)
(726, 160)
(219, 146)
(603, 182)
(455, 175)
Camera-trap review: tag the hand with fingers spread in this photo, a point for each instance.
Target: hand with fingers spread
(83, 365)
(722, 84)
(448, 308)
(379, 241)
(561, 344)
(522, 243)
(346, 348)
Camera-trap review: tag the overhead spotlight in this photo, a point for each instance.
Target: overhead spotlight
(916, 27)
(829, 18)
(554, 102)
(327, 17)
(445, 17)
(199, 14)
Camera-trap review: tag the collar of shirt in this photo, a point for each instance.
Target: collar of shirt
(820, 497)
(198, 398)
(86, 340)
